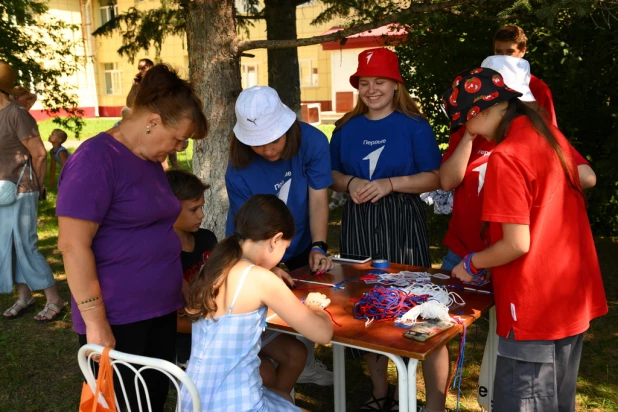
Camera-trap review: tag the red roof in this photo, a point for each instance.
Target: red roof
(380, 36)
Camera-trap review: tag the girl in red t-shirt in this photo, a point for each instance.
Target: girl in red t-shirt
(464, 166)
(546, 276)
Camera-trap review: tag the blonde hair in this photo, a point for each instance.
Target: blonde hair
(403, 102)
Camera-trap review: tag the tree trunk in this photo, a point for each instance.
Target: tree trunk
(214, 70)
(283, 75)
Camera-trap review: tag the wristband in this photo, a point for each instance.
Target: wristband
(320, 244)
(318, 249)
(469, 267)
(391, 182)
(347, 188)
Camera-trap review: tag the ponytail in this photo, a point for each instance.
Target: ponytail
(518, 108)
(163, 92)
(205, 286)
(260, 218)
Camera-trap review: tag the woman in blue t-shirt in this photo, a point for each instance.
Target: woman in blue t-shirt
(271, 152)
(385, 154)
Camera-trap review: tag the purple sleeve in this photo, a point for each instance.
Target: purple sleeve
(85, 186)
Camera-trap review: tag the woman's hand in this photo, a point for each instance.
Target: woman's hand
(354, 187)
(283, 275)
(317, 299)
(375, 190)
(460, 273)
(319, 263)
(100, 333)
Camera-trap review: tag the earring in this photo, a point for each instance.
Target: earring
(147, 129)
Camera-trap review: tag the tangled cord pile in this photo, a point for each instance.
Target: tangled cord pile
(382, 304)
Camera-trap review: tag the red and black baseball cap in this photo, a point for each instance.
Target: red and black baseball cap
(472, 92)
(378, 62)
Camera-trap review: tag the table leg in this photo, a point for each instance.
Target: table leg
(339, 377)
(412, 368)
(402, 373)
(492, 341)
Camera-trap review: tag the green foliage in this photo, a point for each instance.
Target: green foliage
(573, 52)
(42, 55)
(143, 29)
(146, 29)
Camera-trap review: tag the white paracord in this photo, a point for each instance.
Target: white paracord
(435, 308)
(429, 310)
(437, 292)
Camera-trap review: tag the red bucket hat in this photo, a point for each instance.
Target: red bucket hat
(378, 62)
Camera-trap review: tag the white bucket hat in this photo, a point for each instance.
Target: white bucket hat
(261, 117)
(515, 71)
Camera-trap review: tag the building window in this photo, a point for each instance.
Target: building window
(308, 72)
(108, 12)
(113, 78)
(249, 75)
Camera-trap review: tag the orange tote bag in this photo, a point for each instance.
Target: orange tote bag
(104, 386)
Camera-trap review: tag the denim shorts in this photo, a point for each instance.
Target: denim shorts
(20, 259)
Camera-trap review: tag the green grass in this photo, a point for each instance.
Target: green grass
(38, 362)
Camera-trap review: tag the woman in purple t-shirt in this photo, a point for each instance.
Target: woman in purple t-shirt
(116, 213)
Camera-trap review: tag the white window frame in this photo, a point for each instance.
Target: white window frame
(110, 11)
(244, 74)
(313, 64)
(113, 77)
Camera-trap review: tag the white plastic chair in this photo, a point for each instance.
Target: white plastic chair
(173, 372)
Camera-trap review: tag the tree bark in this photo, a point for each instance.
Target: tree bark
(283, 74)
(214, 70)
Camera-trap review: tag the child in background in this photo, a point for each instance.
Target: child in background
(197, 243)
(58, 153)
(228, 302)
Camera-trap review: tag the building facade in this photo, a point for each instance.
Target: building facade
(105, 78)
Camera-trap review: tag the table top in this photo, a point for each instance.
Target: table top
(381, 336)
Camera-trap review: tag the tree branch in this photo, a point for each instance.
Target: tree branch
(342, 34)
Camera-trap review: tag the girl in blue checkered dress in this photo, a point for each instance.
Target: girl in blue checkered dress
(228, 302)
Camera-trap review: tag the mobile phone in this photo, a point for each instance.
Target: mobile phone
(346, 257)
(425, 330)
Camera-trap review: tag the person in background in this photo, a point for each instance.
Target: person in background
(59, 154)
(511, 40)
(228, 303)
(197, 245)
(23, 162)
(23, 97)
(142, 67)
(116, 213)
(384, 153)
(534, 204)
(271, 152)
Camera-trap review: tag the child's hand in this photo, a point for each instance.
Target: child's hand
(460, 273)
(317, 299)
(283, 275)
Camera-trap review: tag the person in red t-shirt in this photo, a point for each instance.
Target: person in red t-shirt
(510, 40)
(545, 270)
(465, 162)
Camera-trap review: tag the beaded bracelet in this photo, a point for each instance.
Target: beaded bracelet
(89, 300)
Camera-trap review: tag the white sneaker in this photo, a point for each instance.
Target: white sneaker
(317, 374)
(332, 206)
